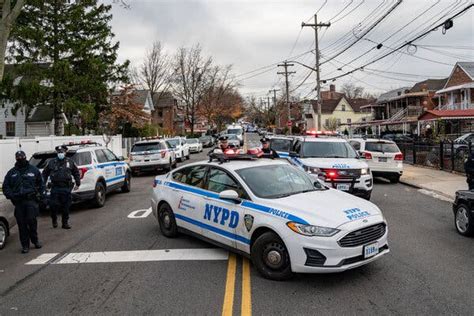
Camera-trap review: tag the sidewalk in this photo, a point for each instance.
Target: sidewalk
(441, 182)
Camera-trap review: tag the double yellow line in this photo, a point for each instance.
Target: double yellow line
(246, 304)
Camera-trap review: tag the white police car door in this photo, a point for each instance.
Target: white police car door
(222, 216)
(118, 167)
(187, 198)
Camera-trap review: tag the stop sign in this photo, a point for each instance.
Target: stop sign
(289, 123)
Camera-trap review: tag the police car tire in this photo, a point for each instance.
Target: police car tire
(169, 228)
(4, 233)
(265, 243)
(470, 226)
(99, 187)
(126, 184)
(394, 179)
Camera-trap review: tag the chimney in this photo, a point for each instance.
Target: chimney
(332, 87)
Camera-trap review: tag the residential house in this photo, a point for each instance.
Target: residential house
(12, 123)
(458, 91)
(167, 114)
(41, 121)
(143, 98)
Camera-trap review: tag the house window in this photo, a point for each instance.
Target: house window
(348, 121)
(343, 107)
(327, 122)
(338, 122)
(160, 113)
(10, 128)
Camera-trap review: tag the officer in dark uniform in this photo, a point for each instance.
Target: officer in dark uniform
(469, 169)
(61, 170)
(221, 147)
(267, 151)
(24, 187)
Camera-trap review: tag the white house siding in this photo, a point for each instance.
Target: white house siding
(39, 129)
(6, 115)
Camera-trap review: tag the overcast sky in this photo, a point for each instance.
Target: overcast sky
(253, 34)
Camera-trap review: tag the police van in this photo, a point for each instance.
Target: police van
(334, 161)
(151, 155)
(100, 169)
(278, 215)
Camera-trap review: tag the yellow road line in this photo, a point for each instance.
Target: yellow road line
(229, 286)
(246, 308)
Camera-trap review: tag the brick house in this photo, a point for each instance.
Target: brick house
(167, 114)
(458, 92)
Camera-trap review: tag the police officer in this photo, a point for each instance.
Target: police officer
(469, 169)
(267, 151)
(24, 187)
(61, 170)
(221, 147)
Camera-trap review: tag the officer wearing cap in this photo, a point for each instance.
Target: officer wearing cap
(267, 151)
(24, 187)
(221, 147)
(61, 170)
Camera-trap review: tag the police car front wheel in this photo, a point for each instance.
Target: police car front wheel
(271, 258)
(99, 197)
(167, 221)
(3, 234)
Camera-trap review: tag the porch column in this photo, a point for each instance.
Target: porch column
(451, 101)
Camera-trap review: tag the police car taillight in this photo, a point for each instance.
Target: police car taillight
(367, 155)
(163, 153)
(82, 172)
(331, 174)
(399, 157)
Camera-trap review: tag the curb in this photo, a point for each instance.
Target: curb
(416, 186)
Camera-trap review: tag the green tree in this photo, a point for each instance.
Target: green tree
(73, 41)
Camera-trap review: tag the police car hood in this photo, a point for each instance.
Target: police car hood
(329, 208)
(335, 163)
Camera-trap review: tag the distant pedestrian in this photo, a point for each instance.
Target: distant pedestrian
(469, 169)
(267, 151)
(61, 171)
(24, 187)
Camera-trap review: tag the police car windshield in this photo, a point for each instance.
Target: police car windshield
(41, 160)
(192, 141)
(147, 147)
(277, 181)
(281, 144)
(173, 142)
(235, 131)
(328, 150)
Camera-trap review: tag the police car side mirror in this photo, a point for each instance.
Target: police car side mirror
(230, 195)
(293, 154)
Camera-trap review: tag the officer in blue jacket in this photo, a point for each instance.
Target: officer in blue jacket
(61, 171)
(24, 187)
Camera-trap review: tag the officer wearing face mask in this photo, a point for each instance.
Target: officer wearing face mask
(267, 151)
(61, 171)
(23, 186)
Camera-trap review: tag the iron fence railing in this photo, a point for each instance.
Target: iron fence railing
(443, 155)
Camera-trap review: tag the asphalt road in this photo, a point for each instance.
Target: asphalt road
(429, 269)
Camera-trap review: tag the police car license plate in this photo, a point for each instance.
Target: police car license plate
(382, 159)
(371, 250)
(343, 186)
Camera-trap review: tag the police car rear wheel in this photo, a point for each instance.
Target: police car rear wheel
(167, 221)
(3, 235)
(271, 258)
(126, 184)
(464, 221)
(99, 198)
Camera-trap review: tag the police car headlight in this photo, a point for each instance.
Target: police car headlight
(312, 170)
(311, 230)
(364, 171)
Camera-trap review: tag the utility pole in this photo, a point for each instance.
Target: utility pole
(275, 104)
(316, 41)
(287, 73)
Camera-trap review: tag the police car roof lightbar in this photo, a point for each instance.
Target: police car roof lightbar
(83, 143)
(251, 154)
(316, 133)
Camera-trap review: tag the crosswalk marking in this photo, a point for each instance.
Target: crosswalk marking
(43, 258)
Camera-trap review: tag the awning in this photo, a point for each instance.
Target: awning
(462, 86)
(447, 114)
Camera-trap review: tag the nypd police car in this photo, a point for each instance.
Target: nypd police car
(151, 155)
(100, 169)
(334, 161)
(270, 211)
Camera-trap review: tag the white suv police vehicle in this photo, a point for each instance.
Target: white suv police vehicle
(151, 155)
(180, 147)
(101, 171)
(279, 216)
(334, 161)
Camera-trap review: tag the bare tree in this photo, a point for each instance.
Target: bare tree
(9, 16)
(352, 91)
(191, 79)
(155, 71)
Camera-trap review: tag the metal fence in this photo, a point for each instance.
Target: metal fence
(445, 155)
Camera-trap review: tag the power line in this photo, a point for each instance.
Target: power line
(343, 9)
(342, 17)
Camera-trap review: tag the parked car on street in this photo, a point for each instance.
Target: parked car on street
(463, 208)
(151, 155)
(236, 130)
(7, 219)
(398, 138)
(195, 145)
(233, 140)
(179, 146)
(100, 169)
(383, 157)
(277, 215)
(207, 141)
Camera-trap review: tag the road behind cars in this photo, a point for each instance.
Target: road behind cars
(429, 269)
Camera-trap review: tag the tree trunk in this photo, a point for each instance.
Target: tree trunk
(4, 34)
